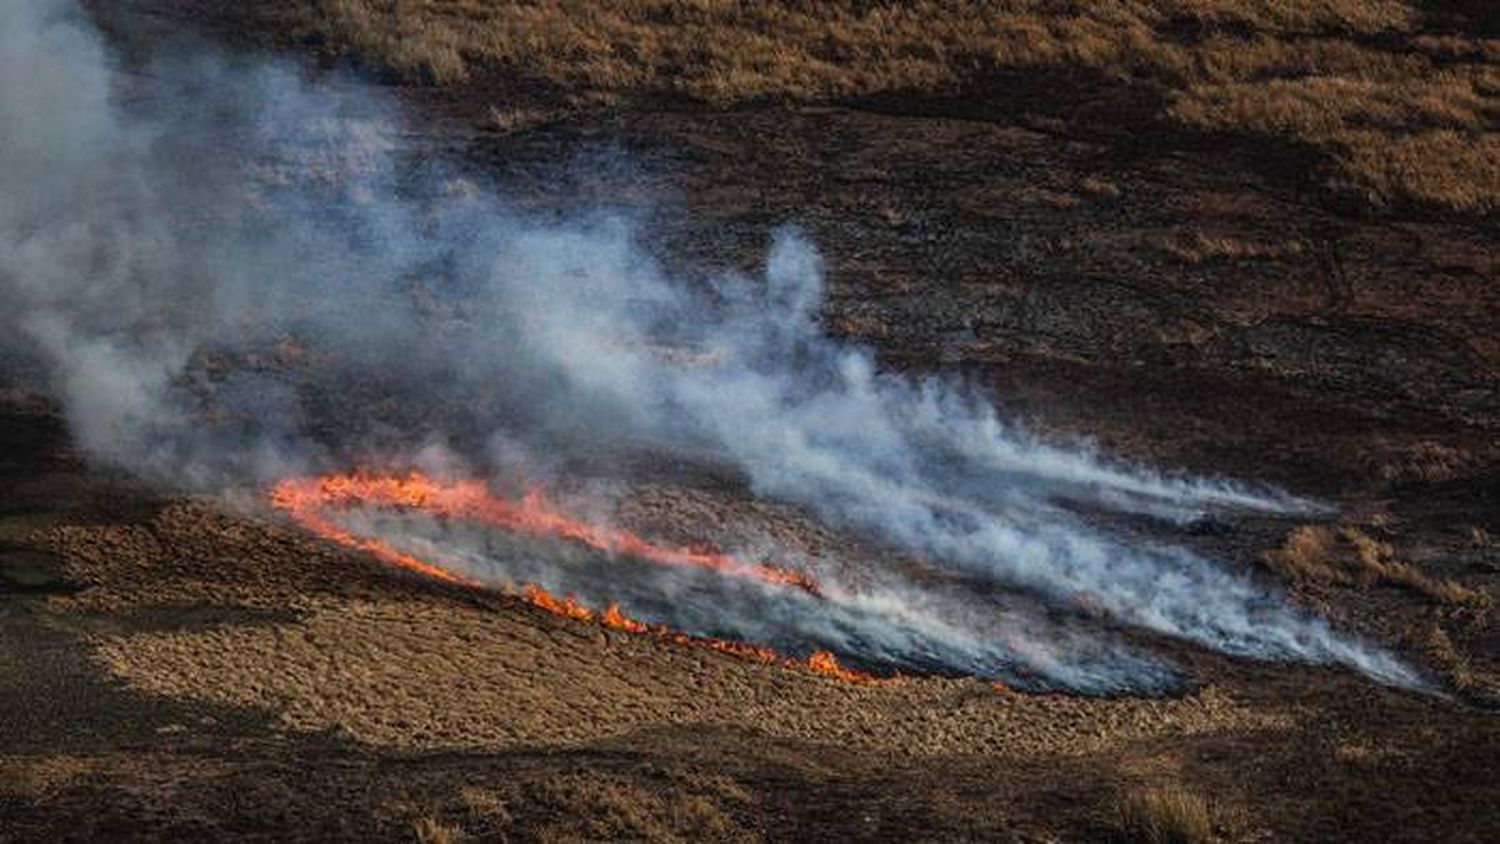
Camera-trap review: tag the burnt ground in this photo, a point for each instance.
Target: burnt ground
(183, 669)
(173, 670)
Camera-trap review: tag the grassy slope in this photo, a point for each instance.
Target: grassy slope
(1326, 756)
(1396, 100)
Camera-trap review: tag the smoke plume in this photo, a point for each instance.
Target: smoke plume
(229, 275)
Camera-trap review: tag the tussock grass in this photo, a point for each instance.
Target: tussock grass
(589, 807)
(1399, 98)
(1170, 815)
(1348, 557)
(429, 830)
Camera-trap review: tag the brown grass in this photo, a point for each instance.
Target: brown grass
(1199, 248)
(28, 779)
(1170, 815)
(1424, 461)
(394, 664)
(1447, 658)
(1454, 665)
(485, 804)
(1349, 557)
(585, 805)
(588, 807)
(1099, 188)
(429, 830)
(1398, 101)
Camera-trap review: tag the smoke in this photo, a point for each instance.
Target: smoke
(230, 276)
(890, 625)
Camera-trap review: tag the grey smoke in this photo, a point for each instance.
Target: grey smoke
(887, 625)
(232, 206)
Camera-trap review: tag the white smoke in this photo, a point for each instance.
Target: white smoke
(148, 251)
(919, 464)
(891, 625)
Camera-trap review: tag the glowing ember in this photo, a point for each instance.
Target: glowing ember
(306, 500)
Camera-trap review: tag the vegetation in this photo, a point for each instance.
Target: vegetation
(586, 806)
(429, 830)
(1349, 557)
(1397, 99)
(1169, 815)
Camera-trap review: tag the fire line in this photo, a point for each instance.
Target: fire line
(307, 500)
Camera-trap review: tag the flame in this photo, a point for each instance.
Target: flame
(533, 515)
(306, 500)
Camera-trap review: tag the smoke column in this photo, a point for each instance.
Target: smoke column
(232, 208)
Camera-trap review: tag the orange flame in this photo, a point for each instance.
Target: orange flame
(305, 500)
(533, 515)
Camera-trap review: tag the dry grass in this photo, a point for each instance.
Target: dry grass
(485, 804)
(1400, 102)
(393, 664)
(1199, 248)
(1349, 557)
(30, 779)
(589, 807)
(1424, 461)
(1429, 141)
(1170, 815)
(1447, 658)
(1099, 188)
(429, 830)
(476, 813)
(1454, 665)
(509, 120)
(586, 805)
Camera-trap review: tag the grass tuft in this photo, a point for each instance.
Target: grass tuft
(1349, 557)
(430, 830)
(1170, 815)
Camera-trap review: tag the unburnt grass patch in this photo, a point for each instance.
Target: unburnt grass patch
(1397, 100)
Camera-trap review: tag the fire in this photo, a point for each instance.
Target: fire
(307, 499)
(533, 515)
